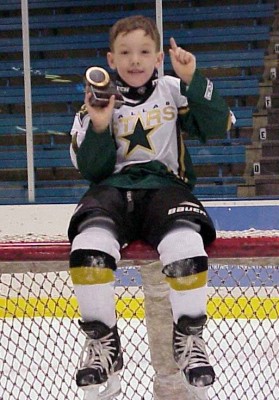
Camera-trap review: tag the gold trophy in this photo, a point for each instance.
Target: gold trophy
(98, 82)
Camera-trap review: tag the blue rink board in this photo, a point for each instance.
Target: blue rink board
(244, 215)
(227, 276)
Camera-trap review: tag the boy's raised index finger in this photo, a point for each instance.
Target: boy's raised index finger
(173, 43)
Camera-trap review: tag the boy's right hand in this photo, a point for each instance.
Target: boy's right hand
(100, 116)
(183, 62)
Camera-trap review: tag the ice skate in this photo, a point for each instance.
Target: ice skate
(191, 356)
(100, 362)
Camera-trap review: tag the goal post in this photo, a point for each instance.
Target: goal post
(41, 342)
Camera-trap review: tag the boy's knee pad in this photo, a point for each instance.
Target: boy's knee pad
(89, 267)
(186, 274)
(184, 258)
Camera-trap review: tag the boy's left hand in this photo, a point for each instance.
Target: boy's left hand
(183, 62)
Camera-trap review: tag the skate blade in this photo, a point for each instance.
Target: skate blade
(111, 389)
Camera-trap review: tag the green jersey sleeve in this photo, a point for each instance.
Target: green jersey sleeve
(96, 155)
(208, 114)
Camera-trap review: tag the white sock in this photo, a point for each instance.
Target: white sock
(97, 238)
(181, 243)
(97, 302)
(188, 302)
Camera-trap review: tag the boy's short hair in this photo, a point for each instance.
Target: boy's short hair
(129, 24)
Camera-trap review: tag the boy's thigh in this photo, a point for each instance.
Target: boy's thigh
(98, 202)
(167, 206)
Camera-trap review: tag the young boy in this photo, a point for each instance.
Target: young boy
(141, 180)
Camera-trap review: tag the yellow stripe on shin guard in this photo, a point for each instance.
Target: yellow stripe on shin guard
(188, 282)
(91, 275)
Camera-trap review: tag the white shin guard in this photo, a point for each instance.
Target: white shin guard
(97, 301)
(179, 244)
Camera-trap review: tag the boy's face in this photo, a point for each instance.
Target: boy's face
(134, 56)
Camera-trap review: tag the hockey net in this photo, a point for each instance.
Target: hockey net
(41, 342)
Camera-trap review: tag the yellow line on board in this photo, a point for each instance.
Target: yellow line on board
(229, 307)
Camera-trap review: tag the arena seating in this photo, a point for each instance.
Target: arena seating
(56, 5)
(259, 9)
(55, 157)
(242, 61)
(13, 157)
(185, 16)
(60, 123)
(97, 41)
(68, 93)
(230, 44)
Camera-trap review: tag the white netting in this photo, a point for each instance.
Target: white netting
(41, 342)
(253, 233)
(32, 237)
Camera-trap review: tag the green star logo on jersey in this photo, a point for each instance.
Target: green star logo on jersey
(140, 137)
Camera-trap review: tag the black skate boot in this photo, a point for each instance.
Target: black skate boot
(190, 353)
(101, 357)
